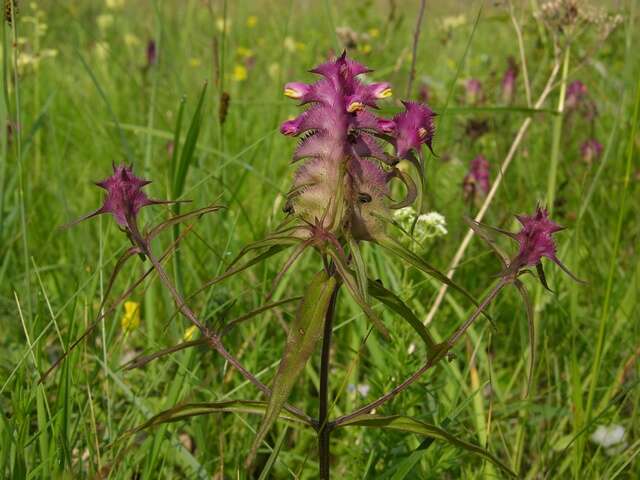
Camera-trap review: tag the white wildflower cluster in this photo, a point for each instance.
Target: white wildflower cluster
(427, 225)
(611, 438)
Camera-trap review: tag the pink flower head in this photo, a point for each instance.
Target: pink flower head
(590, 150)
(576, 91)
(124, 197)
(342, 147)
(509, 81)
(414, 127)
(474, 91)
(477, 180)
(535, 238)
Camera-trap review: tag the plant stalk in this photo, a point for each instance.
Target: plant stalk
(324, 429)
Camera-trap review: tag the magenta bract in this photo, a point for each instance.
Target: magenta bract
(535, 238)
(124, 197)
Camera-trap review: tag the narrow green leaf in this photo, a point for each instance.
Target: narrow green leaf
(361, 269)
(395, 303)
(304, 333)
(176, 145)
(396, 248)
(189, 147)
(187, 410)
(411, 425)
(352, 287)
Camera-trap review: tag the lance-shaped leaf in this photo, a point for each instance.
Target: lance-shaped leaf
(304, 333)
(188, 410)
(411, 425)
(395, 303)
(396, 248)
(352, 287)
(361, 268)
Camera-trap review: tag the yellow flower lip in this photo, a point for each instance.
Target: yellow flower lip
(422, 132)
(131, 318)
(291, 93)
(386, 93)
(355, 107)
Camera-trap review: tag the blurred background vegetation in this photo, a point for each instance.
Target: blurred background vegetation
(86, 84)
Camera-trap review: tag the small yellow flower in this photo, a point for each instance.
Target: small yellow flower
(244, 52)
(131, 318)
(190, 333)
(239, 73)
(374, 32)
(195, 62)
(252, 21)
(223, 25)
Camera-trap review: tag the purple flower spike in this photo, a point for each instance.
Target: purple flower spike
(124, 197)
(474, 91)
(590, 150)
(342, 185)
(576, 91)
(477, 180)
(414, 127)
(152, 53)
(509, 81)
(535, 238)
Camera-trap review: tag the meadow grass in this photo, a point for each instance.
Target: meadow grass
(95, 102)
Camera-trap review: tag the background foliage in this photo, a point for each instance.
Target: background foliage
(84, 96)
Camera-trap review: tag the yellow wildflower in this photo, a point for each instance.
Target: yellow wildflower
(252, 21)
(239, 73)
(195, 62)
(190, 333)
(131, 318)
(374, 32)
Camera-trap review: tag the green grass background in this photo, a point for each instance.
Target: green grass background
(93, 103)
